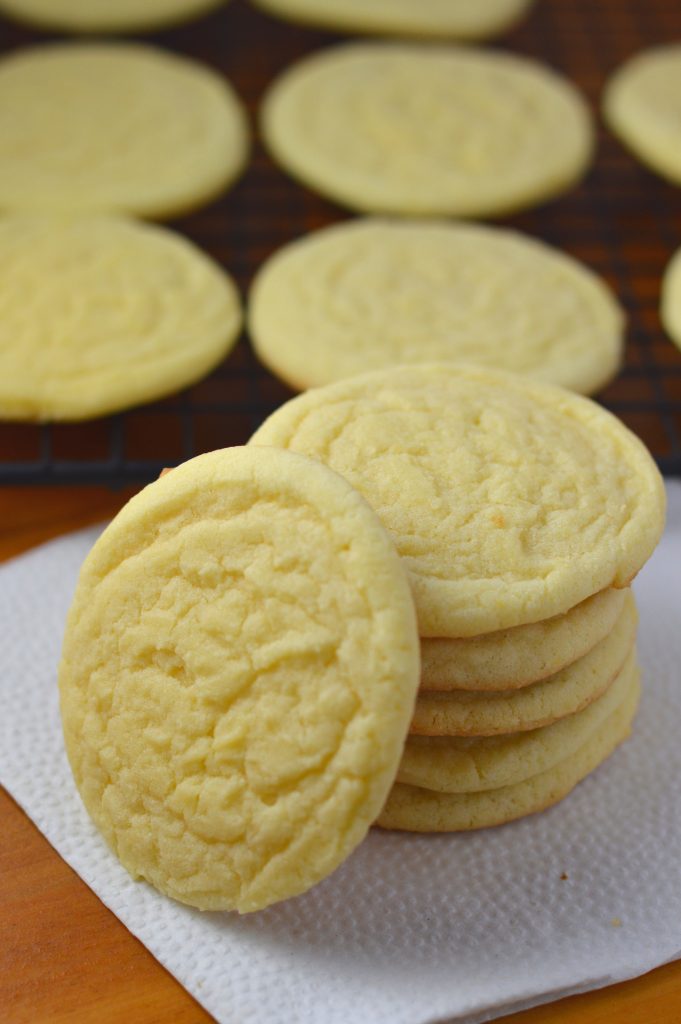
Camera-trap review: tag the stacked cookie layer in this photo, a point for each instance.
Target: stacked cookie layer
(479, 756)
(521, 513)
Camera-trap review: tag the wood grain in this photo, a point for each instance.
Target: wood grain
(64, 956)
(65, 959)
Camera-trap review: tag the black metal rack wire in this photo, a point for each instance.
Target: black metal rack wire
(622, 221)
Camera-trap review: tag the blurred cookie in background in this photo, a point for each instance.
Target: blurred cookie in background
(115, 128)
(368, 294)
(105, 15)
(454, 19)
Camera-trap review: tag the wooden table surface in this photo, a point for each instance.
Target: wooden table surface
(65, 958)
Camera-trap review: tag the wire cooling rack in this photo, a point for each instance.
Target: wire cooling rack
(622, 221)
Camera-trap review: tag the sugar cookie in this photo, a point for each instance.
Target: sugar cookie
(456, 764)
(115, 128)
(421, 810)
(368, 294)
(105, 15)
(238, 673)
(457, 19)
(102, 313)
(642, 106)
(509, 500)
(410, 128)
(465, 713)
(514, 658)
(671, 299)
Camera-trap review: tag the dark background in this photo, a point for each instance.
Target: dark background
(622, 221)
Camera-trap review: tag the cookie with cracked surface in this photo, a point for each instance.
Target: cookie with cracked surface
(642, 106)
(671, 299)
(488, 713)
(372, 293)
(102, 313)
(455, 19)
(509, 500)
(461, 764)
(421, 810)
(423, 129)
(105, 16)
(69, 144)
(238, 673)
(513, 658)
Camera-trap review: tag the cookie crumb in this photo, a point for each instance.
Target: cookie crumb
(616, 922)
(564, 876)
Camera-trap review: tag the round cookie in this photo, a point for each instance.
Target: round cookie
(509, 500)
(102, 313)
(420, 810)
(456, 19)
(105, 16)
(420, 129)
(452, 764)
(370, 294)
(671, 299)
(465, 713)
(237, 678)
(115, 128)
(514, 658)
(642, 106)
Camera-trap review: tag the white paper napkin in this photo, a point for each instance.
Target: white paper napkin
(411, 929)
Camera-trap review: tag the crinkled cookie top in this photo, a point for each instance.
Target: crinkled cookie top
(239, 670)
(509, 500)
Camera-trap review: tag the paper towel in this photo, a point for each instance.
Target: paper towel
(410, 929)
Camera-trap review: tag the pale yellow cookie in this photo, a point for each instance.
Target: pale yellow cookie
(514, 658)
(237, 678)
(671, 299)
(642, 105)
(456, 19)
(460, 764)
(101, 313)
(509, 500)
(105, 127)
(420, 810)
(465, 713)
(410, 128)
(369, 294)
(106, 15)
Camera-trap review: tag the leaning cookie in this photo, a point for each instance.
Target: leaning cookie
(238, 673)
(419, 129)
(455, 19)
(374, 293)
(420, 810)
(103, 313)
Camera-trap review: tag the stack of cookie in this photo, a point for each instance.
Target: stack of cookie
(521, 513)
(241, 661)
(507, 722)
